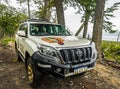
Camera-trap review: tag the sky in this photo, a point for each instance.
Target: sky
(73, 21)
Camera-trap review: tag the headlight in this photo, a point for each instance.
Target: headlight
(47, 50)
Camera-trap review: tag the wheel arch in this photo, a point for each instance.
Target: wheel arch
(15, 45)
(27, 55)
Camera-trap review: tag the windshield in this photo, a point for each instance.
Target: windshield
(48, 30)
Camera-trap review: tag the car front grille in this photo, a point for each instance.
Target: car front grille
(76, 55)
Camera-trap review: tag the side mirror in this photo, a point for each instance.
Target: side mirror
(21, 33)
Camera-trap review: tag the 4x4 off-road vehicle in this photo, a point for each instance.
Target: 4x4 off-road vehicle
(49, 48)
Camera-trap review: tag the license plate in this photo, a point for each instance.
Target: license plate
(80, 70)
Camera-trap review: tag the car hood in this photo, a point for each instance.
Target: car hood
(65, 41)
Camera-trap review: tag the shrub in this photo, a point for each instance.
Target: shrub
(4, 41)
(111, 50)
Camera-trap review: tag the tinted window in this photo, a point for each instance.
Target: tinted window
(47, 30)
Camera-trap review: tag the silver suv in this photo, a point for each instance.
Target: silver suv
(50, 48)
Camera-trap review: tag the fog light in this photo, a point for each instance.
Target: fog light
(58, 69)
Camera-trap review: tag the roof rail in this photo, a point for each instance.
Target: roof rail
(37, 20)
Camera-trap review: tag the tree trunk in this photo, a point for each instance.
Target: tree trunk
(86, 24)
(46, 10)
(85, 29)
(80, 29)
(98, 25)
(60, 12)
(28, 2)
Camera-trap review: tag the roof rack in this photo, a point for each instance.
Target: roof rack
(37, 20)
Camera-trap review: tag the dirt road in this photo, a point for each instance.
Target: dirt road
(12, 75)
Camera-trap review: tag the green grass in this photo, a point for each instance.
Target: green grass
(4, 41)
(111, 50)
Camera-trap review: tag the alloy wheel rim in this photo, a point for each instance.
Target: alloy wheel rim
(30, 73)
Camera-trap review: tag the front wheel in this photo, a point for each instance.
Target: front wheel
(32, 75)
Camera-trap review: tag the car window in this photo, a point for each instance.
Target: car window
(47, 30)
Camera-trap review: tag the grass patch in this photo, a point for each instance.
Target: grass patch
(111, 50)
(4, 41)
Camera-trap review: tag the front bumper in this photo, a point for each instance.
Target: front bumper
(48, 64)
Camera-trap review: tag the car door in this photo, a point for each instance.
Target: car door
(21, 40)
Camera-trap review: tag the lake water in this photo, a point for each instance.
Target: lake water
(111, 38)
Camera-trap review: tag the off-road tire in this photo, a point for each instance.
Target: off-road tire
(32, 75)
